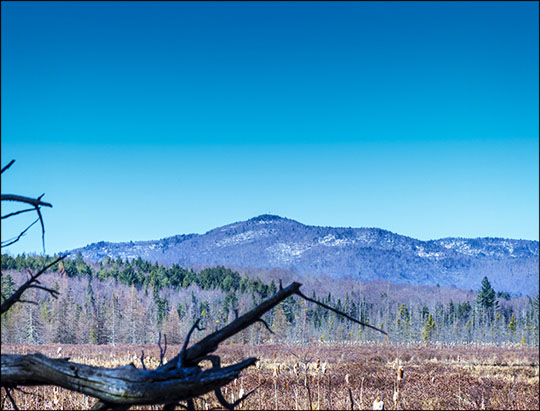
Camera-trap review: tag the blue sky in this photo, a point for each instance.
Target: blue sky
(144, 120)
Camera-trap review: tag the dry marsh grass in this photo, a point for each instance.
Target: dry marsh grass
(330, 376)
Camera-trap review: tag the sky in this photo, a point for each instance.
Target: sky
(142, 120)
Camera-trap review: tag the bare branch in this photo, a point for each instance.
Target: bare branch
(260, 320)
(36, 202)
(15, 239)
(53, 293)
(28, 302)
(142, 360)
(17, 212)
(299, 293)
(16, 296)
(42, 228)
(162, 351)
(182, 355)
(8, 166)
(216, 363)
(34, 394)
(9, 394)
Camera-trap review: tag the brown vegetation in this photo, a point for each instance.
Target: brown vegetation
(320, 376)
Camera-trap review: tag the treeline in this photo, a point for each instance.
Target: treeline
(144, 274)
(118, 301)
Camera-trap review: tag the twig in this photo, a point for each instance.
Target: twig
(42, 228)
(15, 239)
(238, 401)
(306, 383)
(37, 203)
(17, 212)
(463, 399)
(330, 389)
(299, 293)
(8, 166)
(28, 302)
(53, 293)
(260, 320)
(232, 406)
(142, 360)
(182, 356)
(9, 394)
(162, 351)
(361, 392)
(216, 363)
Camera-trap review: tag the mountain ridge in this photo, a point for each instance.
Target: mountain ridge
(269, 241)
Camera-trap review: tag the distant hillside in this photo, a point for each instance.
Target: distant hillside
(272, 242)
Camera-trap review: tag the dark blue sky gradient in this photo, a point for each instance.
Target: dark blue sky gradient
(418, 117)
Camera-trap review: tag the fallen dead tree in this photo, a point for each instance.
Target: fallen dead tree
(182, 378)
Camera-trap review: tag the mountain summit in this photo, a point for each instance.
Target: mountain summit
(270, 241)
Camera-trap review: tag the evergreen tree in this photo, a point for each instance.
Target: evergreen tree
(7, 285)
(162, 308)
(403, 320)
(512, 326)
(487, 299)
(429, 328)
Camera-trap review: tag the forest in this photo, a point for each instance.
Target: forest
(135, 301)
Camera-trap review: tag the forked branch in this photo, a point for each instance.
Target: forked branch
(32, 282)
(36, 204)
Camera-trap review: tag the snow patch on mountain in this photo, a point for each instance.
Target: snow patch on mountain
(330, 240)
(287, 252)
(426, 254)
(242, 238)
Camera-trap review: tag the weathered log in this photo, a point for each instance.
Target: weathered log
(125, 385)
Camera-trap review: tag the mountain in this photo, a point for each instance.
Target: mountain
(272, 242)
